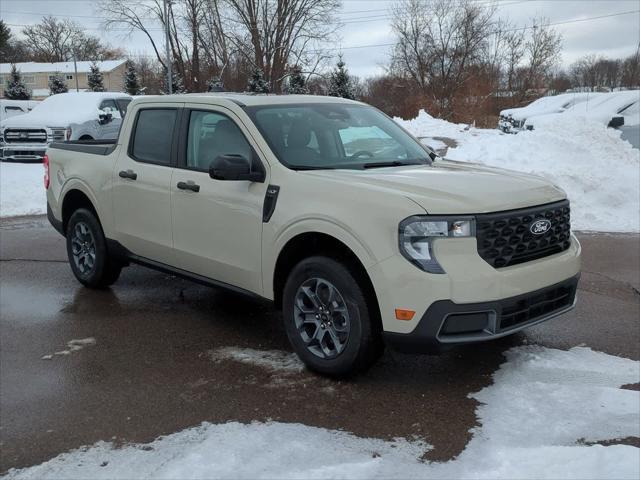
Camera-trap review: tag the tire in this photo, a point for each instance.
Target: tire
(359, 343)
(87, 251)
(86, 137)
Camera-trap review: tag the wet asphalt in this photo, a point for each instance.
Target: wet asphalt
(149, 372)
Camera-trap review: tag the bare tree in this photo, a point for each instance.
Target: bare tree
(54, 40)
(631, 70)
(439, 43)
(275, 33)
(514, 52)
(133, 15)
(543, 52)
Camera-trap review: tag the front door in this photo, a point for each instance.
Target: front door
(110, 129)
(217, 225)
(142, 181)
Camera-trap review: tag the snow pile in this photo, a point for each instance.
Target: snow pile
(425, 126)
(537, 421)
(599, 171)
(22, 189)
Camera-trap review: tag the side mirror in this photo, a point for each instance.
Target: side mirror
(234, 167)
(431, 151)
(105, 116)
(616, 122)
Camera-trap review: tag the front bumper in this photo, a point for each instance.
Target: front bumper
(446, 323)
(469, 281)
(27, 153)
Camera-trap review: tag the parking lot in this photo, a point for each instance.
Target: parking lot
(145, 359)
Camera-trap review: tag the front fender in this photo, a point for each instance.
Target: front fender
(317, 224)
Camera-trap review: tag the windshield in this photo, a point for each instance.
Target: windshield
(328, 136)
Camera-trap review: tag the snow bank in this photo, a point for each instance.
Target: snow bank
(22, 189)
(537, 420)
(599, 171)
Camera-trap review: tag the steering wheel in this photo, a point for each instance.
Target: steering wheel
(361, 153)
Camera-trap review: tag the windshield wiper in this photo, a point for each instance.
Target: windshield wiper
(394, 163)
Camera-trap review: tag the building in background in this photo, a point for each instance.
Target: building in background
(36, 75)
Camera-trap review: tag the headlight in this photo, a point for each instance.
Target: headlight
(418, 233)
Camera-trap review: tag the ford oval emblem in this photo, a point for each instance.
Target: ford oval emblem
(540, 227)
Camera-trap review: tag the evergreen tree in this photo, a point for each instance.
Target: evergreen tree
(95, 79)
(297, 84)
(131, 83)
(177, 83)
(16, 89)
(215, 85)
(57, 84)
(257, 83)
(340, 83)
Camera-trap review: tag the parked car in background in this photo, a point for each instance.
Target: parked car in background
(66, 116)
(512, 120)
(11, 108)
(613, 109)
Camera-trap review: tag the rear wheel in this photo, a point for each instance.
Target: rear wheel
(328, 320)
(87, 251)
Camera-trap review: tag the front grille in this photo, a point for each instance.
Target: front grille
(540, 304)
(506, 238)
(25, 136)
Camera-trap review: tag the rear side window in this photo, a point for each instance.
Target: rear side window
(153, 135)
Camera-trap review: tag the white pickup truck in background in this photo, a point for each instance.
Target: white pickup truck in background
(65, 116)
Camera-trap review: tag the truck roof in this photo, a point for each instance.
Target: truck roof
(243, 99)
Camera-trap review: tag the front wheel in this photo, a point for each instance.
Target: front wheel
(328, 319)
(87, 251)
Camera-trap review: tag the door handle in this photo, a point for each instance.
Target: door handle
(190, 185)
(130, 174)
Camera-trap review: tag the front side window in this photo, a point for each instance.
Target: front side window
(211, 135)
(329, 136)
(115, 112)
(153, 135)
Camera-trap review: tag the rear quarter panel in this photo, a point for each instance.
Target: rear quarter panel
(91, 174)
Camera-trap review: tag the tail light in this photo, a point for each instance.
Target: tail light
(45, 163)
(67, 134)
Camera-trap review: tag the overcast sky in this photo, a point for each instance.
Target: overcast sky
(614, 36)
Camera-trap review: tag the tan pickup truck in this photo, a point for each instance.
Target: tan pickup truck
(362, 235)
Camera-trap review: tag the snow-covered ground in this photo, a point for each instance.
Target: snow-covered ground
(599, 171)
(22, 189)
(539, 419)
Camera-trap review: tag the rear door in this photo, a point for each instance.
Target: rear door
(142, 179)
(217, 230)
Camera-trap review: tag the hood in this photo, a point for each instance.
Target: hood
(449, 187)
(28, 120)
